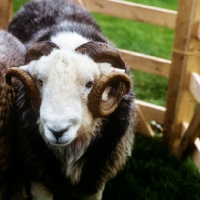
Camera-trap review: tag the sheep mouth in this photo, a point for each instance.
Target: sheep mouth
(59, 142)
(59, 138)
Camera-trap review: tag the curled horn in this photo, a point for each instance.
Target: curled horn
(29, 83)
(102, 52)
(119, 82)
(101, 108)
(38, 50)
(33, 53)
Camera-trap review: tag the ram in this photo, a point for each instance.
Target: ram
(75, 110)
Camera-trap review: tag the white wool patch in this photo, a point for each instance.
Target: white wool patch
(68, 41)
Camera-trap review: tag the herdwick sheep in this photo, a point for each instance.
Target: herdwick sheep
(12, 54)
(74, 108)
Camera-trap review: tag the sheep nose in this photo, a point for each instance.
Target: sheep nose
(59, 133)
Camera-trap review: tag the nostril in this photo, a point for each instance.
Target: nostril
(59, 133)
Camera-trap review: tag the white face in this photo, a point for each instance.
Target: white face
(65, 80)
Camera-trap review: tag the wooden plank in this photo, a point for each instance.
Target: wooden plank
(194, 85)
(78, 2)
(184, 127)
(151, 111)
(197, 143)
(146, 63)
(133, 11)
(5, 13)
(196, 30)
(180, 101)
(192, 132)
(196, 158)
(186, 102)
(142, 124)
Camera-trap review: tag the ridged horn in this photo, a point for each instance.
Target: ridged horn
(29, 83)
(38, 50)
(102, 52)
(120, 84)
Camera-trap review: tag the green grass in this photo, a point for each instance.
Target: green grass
(137, 36)
(152, 173)
(17, 4)
(168, 4)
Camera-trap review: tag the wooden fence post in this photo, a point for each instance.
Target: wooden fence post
(5, 13)
(180, 101)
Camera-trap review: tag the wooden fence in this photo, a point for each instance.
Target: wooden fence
(181, 116)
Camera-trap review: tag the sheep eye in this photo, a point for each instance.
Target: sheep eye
(40, 82)
(89, 84)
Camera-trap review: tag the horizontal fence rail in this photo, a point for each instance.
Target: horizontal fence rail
(194, 85)
(146, 63)
(133, 11)
(152, 111)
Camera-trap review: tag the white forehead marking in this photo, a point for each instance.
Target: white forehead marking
(68, 41)
(73, 62)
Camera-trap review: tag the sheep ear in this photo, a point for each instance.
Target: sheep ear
(13, 81)
(24, 67)
(118, 70)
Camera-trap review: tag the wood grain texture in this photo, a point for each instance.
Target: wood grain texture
(180, 102)
(146, 63)
(5, 13)
(133, 11)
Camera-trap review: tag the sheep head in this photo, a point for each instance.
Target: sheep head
(101, 93)
(99, 52)
(34, 53)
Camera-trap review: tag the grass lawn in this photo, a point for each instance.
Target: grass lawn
(152, 173)
(17, 4)
(169, 4)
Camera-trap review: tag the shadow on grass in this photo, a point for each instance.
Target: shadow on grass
(152, 173)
